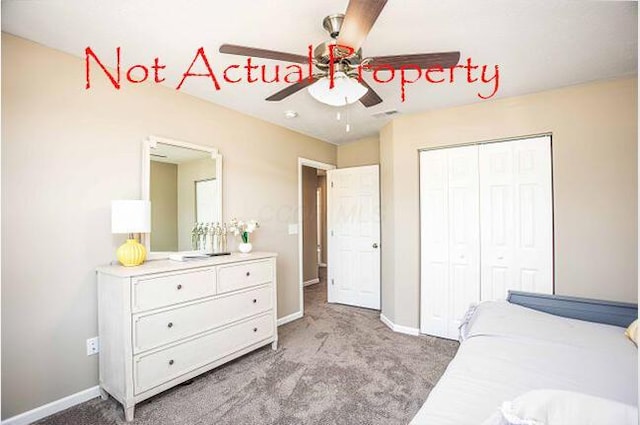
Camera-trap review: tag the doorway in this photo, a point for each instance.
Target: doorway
(312, 214)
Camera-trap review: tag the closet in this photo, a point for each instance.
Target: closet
(486, 226)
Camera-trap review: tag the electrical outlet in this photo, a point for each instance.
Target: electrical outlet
(293, 229)
(93, 346)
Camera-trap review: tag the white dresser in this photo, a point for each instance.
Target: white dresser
(165, 322)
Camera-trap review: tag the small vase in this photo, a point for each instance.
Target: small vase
(245, 248)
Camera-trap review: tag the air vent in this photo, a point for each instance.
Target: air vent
(385, 114)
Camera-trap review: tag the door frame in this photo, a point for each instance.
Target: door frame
(320, 166)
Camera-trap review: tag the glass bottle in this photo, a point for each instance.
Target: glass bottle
(200, 237)
(194, 237)
(223, 238)
(215, 242)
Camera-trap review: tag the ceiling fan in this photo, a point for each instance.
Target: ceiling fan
(350, 30)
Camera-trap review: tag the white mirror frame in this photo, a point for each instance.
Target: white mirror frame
(151, 143)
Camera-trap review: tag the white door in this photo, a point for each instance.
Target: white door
(450, 244)
(353, 223)
(516, 217)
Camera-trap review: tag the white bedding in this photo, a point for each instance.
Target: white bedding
(508, 350)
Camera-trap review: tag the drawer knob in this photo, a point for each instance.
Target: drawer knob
(170, 324)
(179, 286)
(248, 273)
(170, 362)
(255, 301)
(255, 329)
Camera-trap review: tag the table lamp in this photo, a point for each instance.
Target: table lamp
(131, 217)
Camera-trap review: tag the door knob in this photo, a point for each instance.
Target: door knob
(375, 245)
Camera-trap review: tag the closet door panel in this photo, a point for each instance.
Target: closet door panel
(450, 266)
(516, 217)
(534, 214)
(434, 237)
(464, 233)
(496, 219)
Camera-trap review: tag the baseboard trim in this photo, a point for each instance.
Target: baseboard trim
(53, 407)
(384, 319)
(311, 281)
(286, 319)
(399, 328)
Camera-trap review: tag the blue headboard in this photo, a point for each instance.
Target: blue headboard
(599, 311)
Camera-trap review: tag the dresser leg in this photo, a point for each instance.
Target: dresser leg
(128, 413)
(103, 394)
(274, 345)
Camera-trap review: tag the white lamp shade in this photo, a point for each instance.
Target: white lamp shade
(346, 90)
(130, 216)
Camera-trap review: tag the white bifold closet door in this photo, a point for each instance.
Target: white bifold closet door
(516, 217)
(486, 227)
(450, 237)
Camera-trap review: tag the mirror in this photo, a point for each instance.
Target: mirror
(184, 184)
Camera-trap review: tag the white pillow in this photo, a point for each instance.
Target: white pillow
(556, 407)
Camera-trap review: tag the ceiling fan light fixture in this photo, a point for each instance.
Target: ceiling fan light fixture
(345, 91)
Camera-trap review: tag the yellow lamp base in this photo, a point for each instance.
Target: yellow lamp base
(131, 253)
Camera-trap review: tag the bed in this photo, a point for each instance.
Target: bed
(508, 349)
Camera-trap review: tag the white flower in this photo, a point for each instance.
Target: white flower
(238, 227)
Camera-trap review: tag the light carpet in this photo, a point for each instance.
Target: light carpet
(336, 365)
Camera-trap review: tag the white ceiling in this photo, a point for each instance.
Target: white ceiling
(538, 45)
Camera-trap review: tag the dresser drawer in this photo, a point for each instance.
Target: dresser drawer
(161, 291)
(153, 330)
(244, 275)
(154, 369)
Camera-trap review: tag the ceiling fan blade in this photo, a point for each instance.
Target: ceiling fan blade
(289, 90)
(358, 20)
(232, 49)
(371, 98)
(422, 60)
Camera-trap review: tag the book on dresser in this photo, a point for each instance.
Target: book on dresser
(165, 322)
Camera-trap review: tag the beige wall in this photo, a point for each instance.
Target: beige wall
(387, 223)
(595, 137)
(66, 153)
(189, 173)
(163, 193)
(360, 152)
(309, 224)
